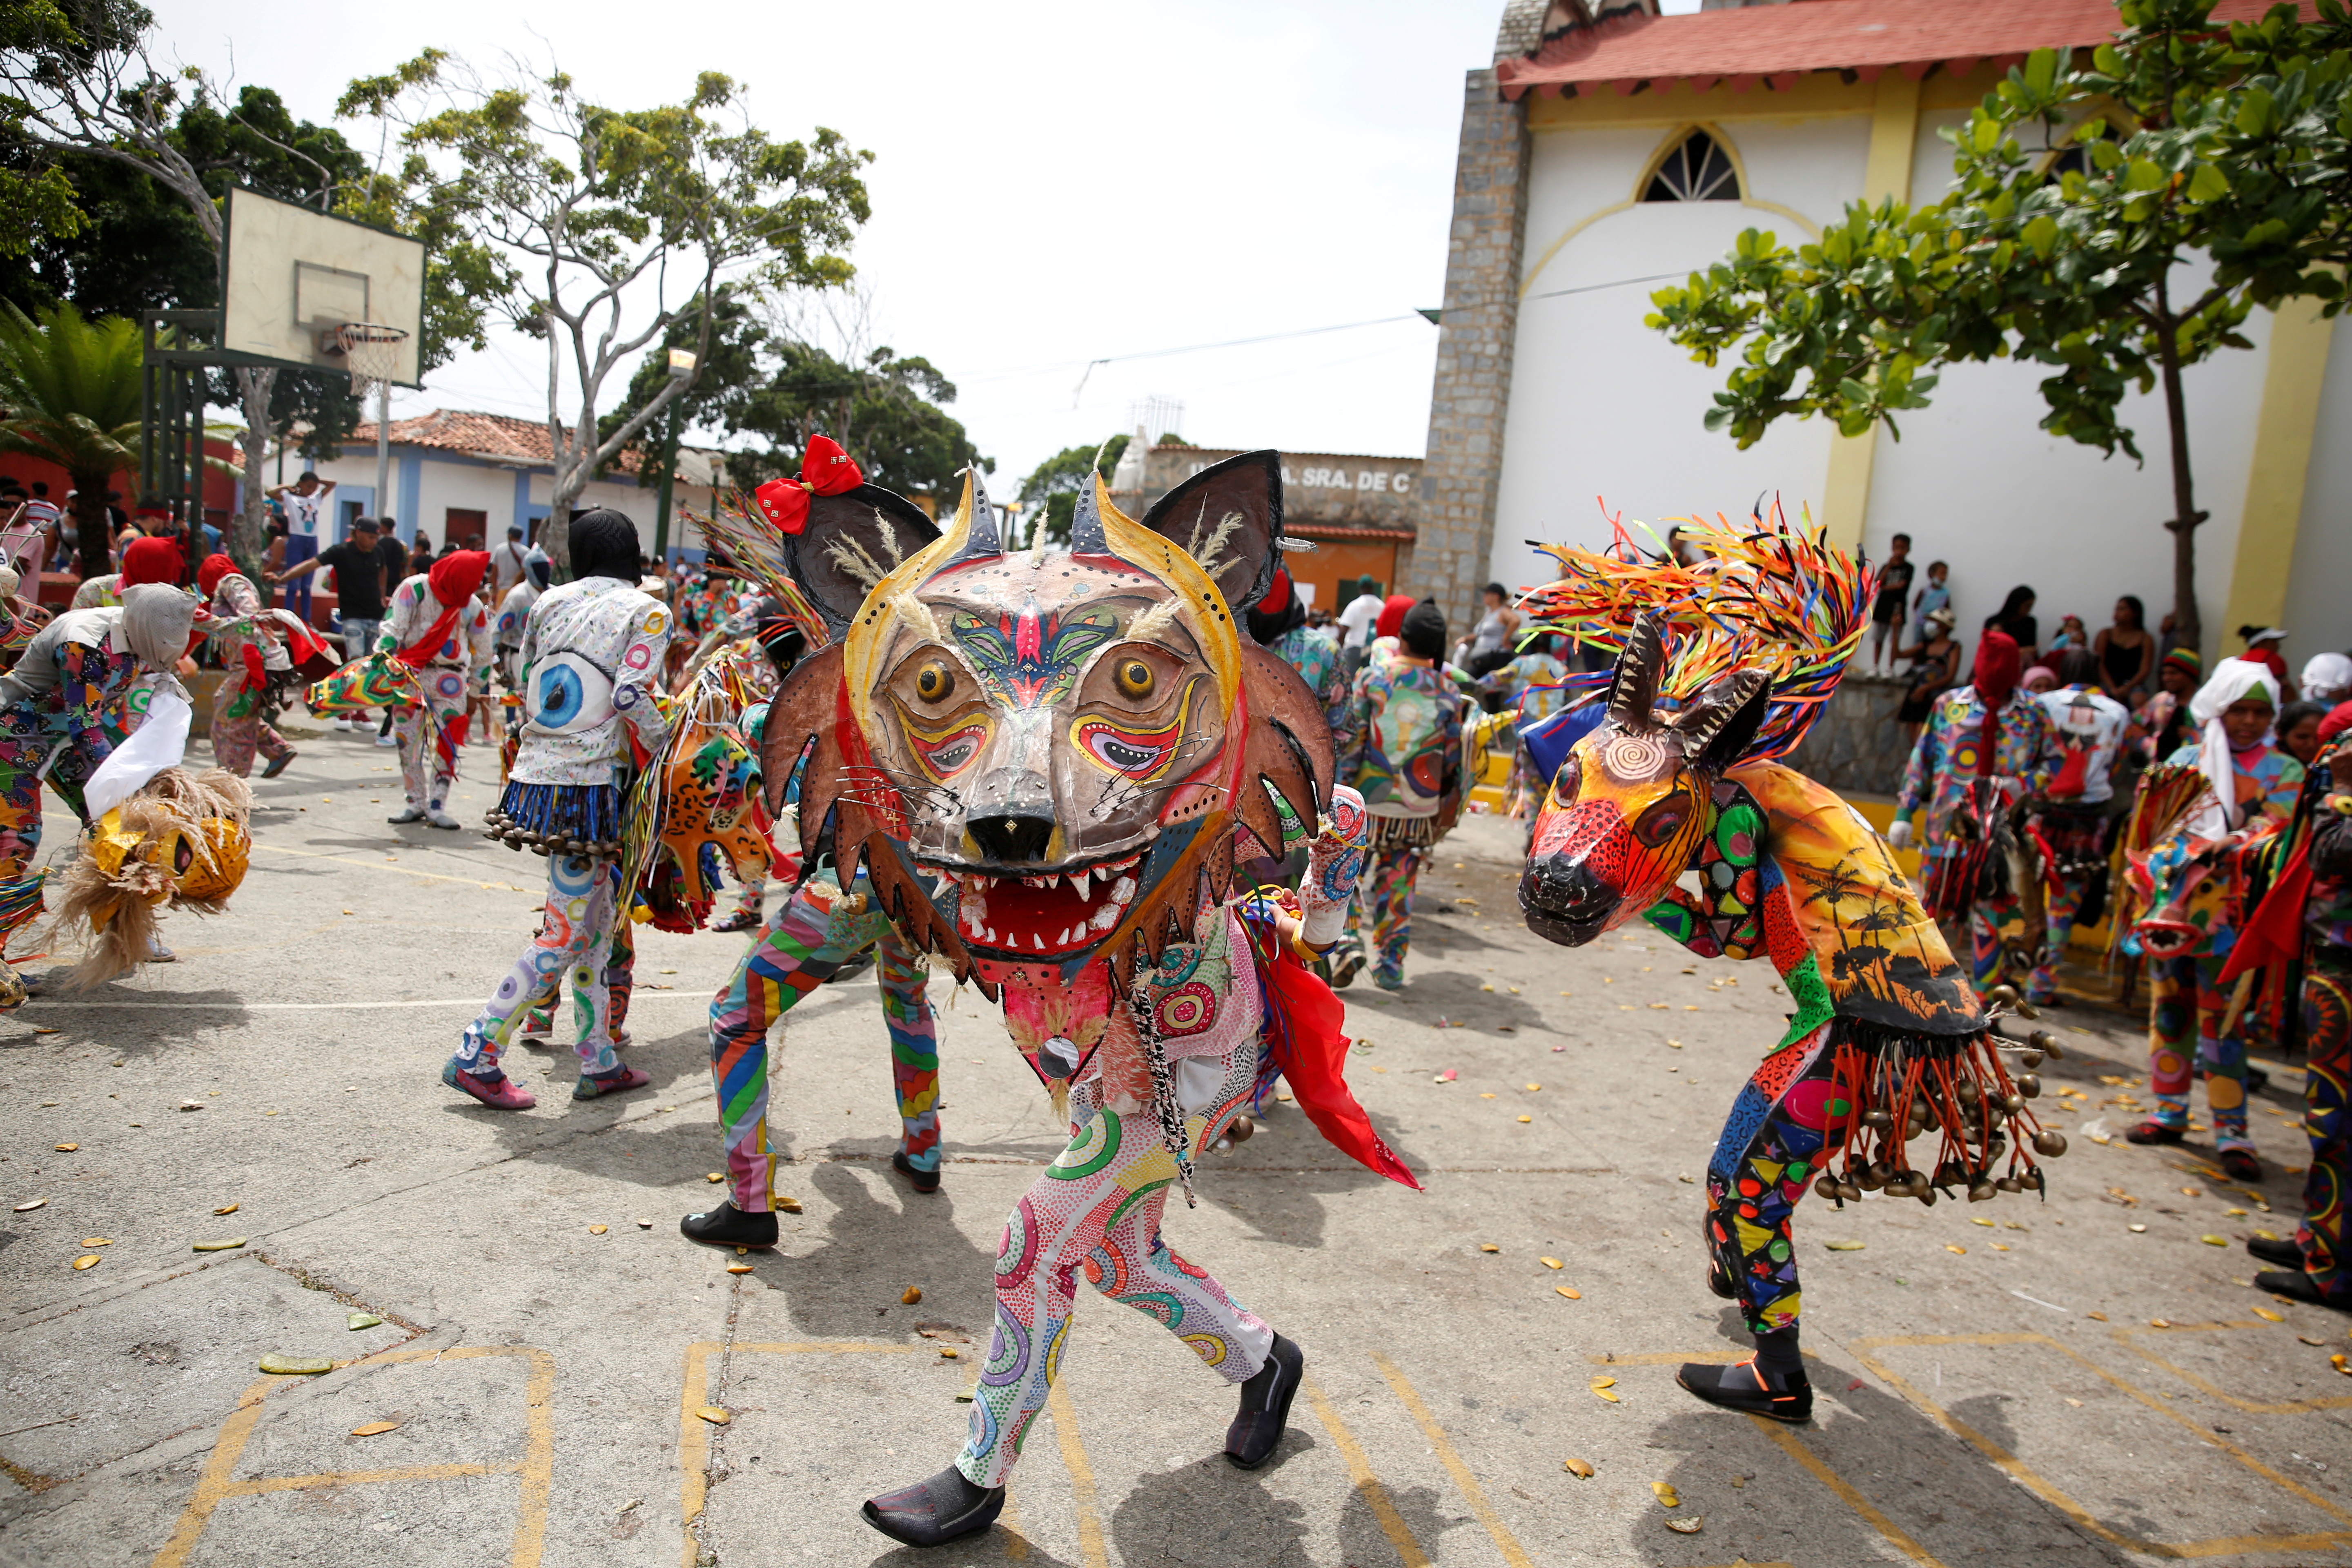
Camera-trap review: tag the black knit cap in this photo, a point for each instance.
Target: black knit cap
(604, 544)
(1423, 631)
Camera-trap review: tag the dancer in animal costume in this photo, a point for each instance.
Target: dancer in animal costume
(53, 708)
(441, 630)
(1723, 666)
(257, 667)
(591, 657)
(1988, 747)
(151, 559)
(1067, 739)
(180, 838)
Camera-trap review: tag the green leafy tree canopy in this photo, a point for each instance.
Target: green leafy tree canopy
(1055, 483)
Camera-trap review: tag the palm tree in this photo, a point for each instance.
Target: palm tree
(69, 392)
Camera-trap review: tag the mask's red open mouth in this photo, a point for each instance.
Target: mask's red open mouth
(2162, 938)
(1046, 915)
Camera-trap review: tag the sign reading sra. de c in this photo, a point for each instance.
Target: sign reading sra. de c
(1374, 481)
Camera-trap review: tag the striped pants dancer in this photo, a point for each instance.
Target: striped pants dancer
(800, 948)
(1097, 1206)
(1784, 1128)
(1389, 892)
(575, 941)
(2327, 1119)
(2188, 1008)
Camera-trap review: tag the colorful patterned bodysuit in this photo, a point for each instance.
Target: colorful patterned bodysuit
(457, 671)
(1792, 872)
(63, 730)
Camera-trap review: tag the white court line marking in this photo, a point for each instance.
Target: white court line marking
(338, 1006)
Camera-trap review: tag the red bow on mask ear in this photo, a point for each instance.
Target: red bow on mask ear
(826, 470)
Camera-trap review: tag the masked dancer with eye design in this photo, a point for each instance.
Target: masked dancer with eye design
(1066, 740)
(439, 628)
(592, 662)
(1721, 666)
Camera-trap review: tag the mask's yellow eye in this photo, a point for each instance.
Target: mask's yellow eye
(1134, 678)
(935, 682)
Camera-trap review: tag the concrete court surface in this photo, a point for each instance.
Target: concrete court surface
(2082, 1381)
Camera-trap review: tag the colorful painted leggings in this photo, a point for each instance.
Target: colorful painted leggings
(1389, 894)
(1783, 1129)
(620, 983)
(1991, 964)
(429, 737)
(2327, 1077)
(2185, 1013)
(576, 935)
(1097, 1206)
(799, 948)
(238, 728)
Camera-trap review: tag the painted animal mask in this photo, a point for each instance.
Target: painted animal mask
(1626, 810)
(1069, 736)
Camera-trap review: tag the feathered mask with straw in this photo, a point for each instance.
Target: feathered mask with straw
(1725, 662)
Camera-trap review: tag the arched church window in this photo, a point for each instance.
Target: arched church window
(1696, 169)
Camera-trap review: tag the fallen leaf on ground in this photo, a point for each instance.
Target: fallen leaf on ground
(912, 1294)
(192, 1105)
(1601, 1386)
(2214, 1240)
(226, 1208)
(228, 1244)
(2100, 1317)
(1579, 1468)
(98, 1241)
(2235, 1213)
(296, 1366)
(2306, 1339)
(1573, 1295)
(1979, 1220)
(1836, 1246)
(88, 1262)
(374, 1428)
(947, 1353)
(1686, 1526)
(2267, 1315)
(716, 1176)
(644, 1224)
(1527, 1118)
(2137, 1229)
(2075, 1402)
(1552, 1263)
(2339, 1362)
(969, 1392)
(67, 1148)
(597, 1230)
(630, 1505)
(788, 1205)
(1666, 1494)
(1488, 1246)
(29, 1207)
(2160, 1323)
(2267, 1236)
(1950, 1247)
(714, 1414)
(359, 1320)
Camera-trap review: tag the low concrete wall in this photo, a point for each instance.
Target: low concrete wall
(1857, 745)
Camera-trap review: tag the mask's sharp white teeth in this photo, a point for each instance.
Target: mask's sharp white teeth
(1103, 918)
(989, 936)
(1123, 890)
(1082, 880)
(1036, 941)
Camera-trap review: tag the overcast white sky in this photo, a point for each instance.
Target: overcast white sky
(1052, 182)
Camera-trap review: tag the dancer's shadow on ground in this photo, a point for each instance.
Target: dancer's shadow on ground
(1207, 1511)
(1277, 1182)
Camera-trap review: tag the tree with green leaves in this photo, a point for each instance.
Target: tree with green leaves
(123, 166)
(1055, 483)
(884, 409)
(2204, 171)
(580, 209)
(69, 391)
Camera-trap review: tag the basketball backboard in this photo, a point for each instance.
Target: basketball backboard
(290, 275)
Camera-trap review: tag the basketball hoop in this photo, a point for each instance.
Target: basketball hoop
(370, 351)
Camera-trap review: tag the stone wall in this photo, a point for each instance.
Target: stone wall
(1454, 512)
(1857, 745)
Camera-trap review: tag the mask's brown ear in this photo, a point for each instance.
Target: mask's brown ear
(1227, 517)
(1633, 683)
(1722, 722)
(851, 543)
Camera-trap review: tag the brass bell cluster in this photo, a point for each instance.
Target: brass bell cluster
(504, 829)
(1971, 1100)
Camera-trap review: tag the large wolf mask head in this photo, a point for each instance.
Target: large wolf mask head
(1068, 736)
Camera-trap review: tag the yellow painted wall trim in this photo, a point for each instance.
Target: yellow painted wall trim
(2293, 377)
(1820, 96)
(1886, 172)
(1673, 139)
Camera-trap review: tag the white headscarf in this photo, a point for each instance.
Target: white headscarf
(156, 620)
(2233, 681)
(2327, 678)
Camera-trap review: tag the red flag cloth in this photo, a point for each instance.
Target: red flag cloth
(2275, 933)
(1307, 1046)
(826, 470)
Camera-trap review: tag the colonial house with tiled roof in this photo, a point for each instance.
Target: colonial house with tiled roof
(461, 474)
(1607, 150)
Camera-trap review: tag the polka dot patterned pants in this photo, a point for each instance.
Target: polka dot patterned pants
(574, 943)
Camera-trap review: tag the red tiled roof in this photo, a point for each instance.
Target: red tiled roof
(493, 435)
(1776, 45)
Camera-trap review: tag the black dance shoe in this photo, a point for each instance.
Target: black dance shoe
(945, 1507)
(1258, 1427)
(728, 1225)
(1746, 1387)
(922, 1181)
(2285, 1254)
(2297, 1284)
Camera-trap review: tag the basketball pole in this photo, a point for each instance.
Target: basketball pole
(384, 458)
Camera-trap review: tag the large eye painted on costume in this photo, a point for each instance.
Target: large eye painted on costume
(568, 695)
(1134, 678)
(935, 682)
(1659, 825)
(1568, 780)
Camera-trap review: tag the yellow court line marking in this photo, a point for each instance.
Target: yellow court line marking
(1368, 1485)
(396, 869)
(2047, 1493)
(537, 1466)
(694, 1432)
(1854, 1499)
(1464, 1481)
(1082, 1477)
(2281, 1407)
